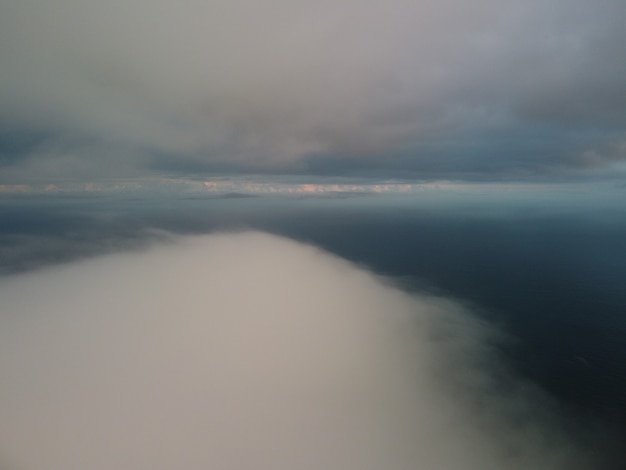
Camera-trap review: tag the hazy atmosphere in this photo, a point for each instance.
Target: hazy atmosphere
(298, 235)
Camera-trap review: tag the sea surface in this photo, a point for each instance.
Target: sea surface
(549, 271)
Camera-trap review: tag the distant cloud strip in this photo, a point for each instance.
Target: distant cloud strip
(241, 186)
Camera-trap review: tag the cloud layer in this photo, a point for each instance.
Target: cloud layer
(437, 88)
(251, 351)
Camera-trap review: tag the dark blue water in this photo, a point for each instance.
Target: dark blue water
(554, 280)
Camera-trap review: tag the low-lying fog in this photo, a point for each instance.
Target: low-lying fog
(250, 351)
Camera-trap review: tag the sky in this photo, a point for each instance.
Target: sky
(339, 233)
(431, 90)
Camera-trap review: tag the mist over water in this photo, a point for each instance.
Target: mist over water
(241, 351)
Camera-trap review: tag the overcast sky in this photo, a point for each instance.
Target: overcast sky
(445, 89)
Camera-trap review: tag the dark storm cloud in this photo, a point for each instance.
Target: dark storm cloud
(508, 89)
(541, 152)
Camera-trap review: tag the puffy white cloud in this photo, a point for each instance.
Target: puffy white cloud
(251, 351)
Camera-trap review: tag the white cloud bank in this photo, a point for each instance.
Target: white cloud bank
(253, 352)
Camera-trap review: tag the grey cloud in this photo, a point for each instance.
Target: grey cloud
(246, 86)
(251, 351)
